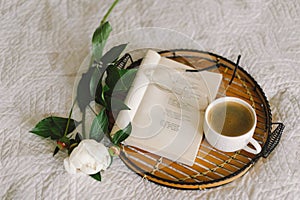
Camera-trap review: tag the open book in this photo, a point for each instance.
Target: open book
(167, 108)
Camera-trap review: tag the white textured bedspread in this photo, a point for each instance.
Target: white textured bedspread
(42, 44)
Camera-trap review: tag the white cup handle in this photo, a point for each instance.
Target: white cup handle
(256, 146)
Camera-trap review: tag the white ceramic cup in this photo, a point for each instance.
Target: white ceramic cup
(231, 143)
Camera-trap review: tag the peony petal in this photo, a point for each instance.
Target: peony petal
(106, 161)
(90, 168)
(99, 152)
(84, 157)
(75, 156)
(90, 157)
(70, 168)
(95, 149)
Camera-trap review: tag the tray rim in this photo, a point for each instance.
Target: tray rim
(240, 172)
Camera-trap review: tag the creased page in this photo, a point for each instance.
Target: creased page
(169, 116)
(137, 90)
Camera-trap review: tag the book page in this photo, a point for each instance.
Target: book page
(167, 108)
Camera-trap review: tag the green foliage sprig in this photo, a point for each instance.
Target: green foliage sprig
(93, 87)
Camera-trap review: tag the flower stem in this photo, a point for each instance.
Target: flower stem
(83, 124)
(108, 12)
(69, 118)
(92, 110)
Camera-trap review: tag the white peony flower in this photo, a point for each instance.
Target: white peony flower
(88, 157)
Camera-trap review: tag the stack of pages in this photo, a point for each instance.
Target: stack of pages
(167, 107)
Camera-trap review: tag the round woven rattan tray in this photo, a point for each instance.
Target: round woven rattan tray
(212, 167)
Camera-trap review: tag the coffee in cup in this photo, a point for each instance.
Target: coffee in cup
(229, 125)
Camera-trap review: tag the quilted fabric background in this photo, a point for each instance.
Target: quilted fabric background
(42, 44)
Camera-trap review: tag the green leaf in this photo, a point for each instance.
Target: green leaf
(112, 76)
(73, 145)
(119, 79)
(99, 40)
(78, 138)
(54, 127)
(96, 176)
(105, 88)
(116, 104)
(99, 126)
(121, 135)
(100, 95)
(113, 54)
(125, 81)
(83, 90)
(96, 80)
(55, 151)
(124, 71)
(128, 77)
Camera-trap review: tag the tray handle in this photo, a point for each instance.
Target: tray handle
(121, 63)
(273, 139)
